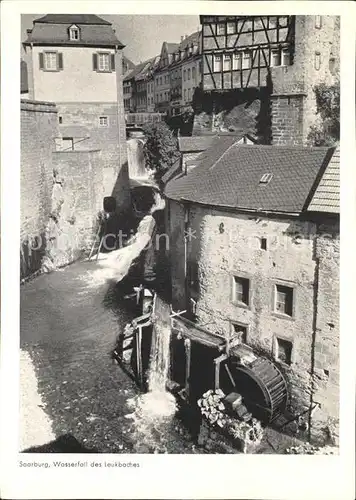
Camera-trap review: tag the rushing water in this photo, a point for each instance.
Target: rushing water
(136, 159)
(154, 411)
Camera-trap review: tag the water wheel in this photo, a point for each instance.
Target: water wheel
(261, 384)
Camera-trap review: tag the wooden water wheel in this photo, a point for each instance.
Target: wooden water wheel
(262, 386)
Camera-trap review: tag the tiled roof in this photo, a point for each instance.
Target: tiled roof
(50, 32)
(195, 143)
(71, 19)
(24, 77)
(229, 175)
(327, 195)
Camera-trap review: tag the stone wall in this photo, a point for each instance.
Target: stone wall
(110, 139)
(225, 245)
(62, 192)
(39, 127)
(287, 119)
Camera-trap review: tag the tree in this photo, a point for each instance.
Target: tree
(327, 131)
(160, 149)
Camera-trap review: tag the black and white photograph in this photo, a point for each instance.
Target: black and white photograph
(179, 259)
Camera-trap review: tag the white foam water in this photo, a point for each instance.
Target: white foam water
(153, 411)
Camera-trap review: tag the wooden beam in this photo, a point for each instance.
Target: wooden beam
(139, 356)
(217, 363)
(188, 356)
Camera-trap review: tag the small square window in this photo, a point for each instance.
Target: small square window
(74, 34)
(240, 331)
(241, 290)
(263, 243)
(60, 119)
(103, 121)
(284, 351)
(266, 178)
(284, 300)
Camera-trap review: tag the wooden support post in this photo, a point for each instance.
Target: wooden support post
(188, 354)
(139, 355)
(217, 362)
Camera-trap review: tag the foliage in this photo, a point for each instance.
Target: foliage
(308, 449)
(327, 132)
(160, 149)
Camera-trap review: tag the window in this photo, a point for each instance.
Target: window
(247, 59)
(184, 75)
(188, 73)
(237, 60)
(286, 60)
(60, 119)
(217, 63)
(241, 289)
(73, 33)
(266, 178)
(103, 62)
(51, 61)
(318, 22)
(230, 28)
(284, 351)
(263, 243)
(200, 67)
(193, 73)
(284, 300)
(275, 57)
(227, 62)
(317, 60)
(220, 29)
(189, 94)
(103, 121)
(67, 144)
(185, 94)
(239, 331)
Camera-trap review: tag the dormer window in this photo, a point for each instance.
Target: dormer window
(74, 33)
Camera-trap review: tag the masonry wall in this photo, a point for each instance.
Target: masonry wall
(226, 245)
(39, 126)
(111, 140)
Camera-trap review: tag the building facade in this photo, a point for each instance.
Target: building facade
(259, 270)
(75, 61)
(280, 58)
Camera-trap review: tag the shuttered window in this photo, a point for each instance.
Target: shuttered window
(51, 61)
(103, 62)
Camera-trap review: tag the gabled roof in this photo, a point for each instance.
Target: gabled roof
(327, 195)
(229, 175)
(191, 39)
(141, 67)
(53, 30)
(71, 19)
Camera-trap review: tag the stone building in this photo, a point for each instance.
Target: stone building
(274, 61)
(254, 253)
(75, 61)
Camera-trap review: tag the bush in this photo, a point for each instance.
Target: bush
(327, 132)
(160, 149)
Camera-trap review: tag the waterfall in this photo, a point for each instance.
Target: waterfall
(136, 159)
(153, 411)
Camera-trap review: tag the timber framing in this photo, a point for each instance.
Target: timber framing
(238, 51)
